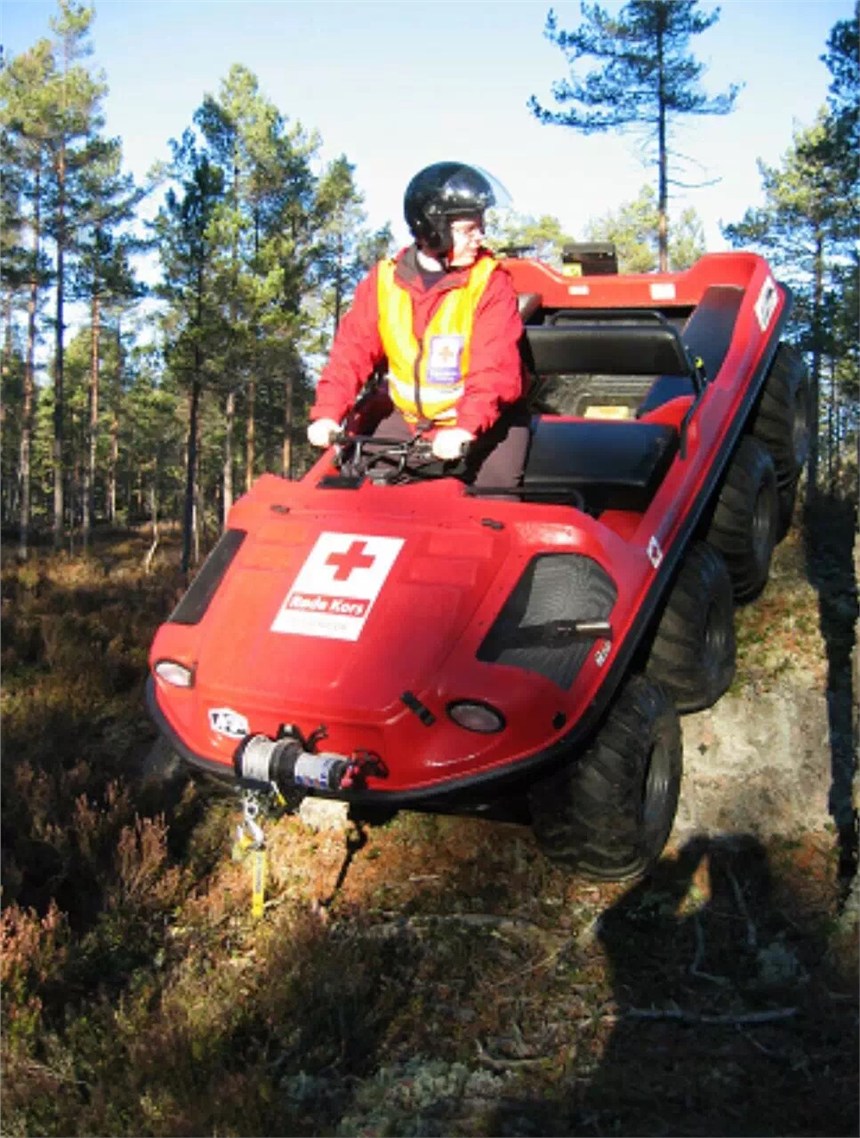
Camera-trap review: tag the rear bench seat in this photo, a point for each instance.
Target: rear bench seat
(589, 345)
(604, 463)
(596, 355)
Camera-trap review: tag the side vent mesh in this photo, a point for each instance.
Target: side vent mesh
(533, 630)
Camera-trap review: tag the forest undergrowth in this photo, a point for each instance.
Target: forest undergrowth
(434, 976)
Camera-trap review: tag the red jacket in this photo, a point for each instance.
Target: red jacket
(495, 375)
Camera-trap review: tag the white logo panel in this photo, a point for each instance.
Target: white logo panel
(336, 587)
(766, 303)
(226, 721)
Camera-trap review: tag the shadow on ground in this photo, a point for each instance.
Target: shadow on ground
(830, 527)
(729, 1016)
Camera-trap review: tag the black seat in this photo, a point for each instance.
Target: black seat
(608, 464)
(612, 348)
(706, 335)
(709, 330)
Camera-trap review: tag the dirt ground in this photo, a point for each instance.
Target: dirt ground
(503, 996)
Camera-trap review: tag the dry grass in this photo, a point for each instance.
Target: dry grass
(454, 982)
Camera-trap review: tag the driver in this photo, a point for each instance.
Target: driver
(443, 313)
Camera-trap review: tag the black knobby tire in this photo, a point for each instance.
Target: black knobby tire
(781, 422)
(745, 522)
(786, 498)
(693, 652)
(608, 813)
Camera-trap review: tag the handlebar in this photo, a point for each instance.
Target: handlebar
(386, 459)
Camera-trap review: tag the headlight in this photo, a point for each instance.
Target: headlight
(175, 674)
(475, 716)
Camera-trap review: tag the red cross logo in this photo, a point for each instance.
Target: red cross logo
(352, 559)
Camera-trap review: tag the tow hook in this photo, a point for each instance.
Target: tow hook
(251, 842)
(250, 833)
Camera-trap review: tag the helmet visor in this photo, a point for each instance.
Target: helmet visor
(470, 190)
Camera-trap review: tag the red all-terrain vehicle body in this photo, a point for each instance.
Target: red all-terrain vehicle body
(384, 635)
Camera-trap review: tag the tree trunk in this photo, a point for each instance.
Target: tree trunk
(29, 384)
(227, 473)
(836, 442)
(250, 440)
(188, 521)
(198, 523)
(662, 156)
(338, 282)
(57, 446)
(287, 460)
(92, 425)
(815, 375)
(113, 462)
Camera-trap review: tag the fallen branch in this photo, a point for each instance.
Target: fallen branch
(752, 936)
(147, 561)
(422, 922)
(496, 1064)
(696, 1017)
(695, 970)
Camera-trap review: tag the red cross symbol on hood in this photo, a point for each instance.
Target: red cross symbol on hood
(353, 558)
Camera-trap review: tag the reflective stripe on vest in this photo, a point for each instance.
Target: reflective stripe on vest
(433, 370)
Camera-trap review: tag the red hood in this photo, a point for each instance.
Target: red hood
(354, 618)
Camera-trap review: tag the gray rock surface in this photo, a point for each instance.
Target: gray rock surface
(758, 762)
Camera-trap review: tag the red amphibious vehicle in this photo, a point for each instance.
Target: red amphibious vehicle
(378, 632)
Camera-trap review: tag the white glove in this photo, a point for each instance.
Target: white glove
(321, 431)
(450, 443)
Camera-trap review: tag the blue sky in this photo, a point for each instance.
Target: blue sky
(397, 85)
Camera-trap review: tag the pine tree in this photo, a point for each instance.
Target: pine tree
(193, 328)
(808, 227)
(103, 276)
(542, 237)
(236, 128)
(344, 249)
(264, 229)
(634, 227)
(25, 101)
(645, 79)
(75, 117)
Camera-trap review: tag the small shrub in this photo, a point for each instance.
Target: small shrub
(33, 953)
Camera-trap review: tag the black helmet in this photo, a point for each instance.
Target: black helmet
(441, 192)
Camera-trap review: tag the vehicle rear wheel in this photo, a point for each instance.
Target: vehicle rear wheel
(608, 813)
(782, 424)
(746, 518)
(693, 652)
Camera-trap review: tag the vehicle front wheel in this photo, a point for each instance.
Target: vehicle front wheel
(608, 813)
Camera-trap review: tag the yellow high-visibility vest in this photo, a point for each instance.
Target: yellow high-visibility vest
(426, 378)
